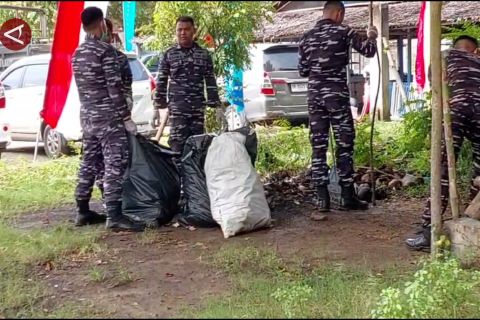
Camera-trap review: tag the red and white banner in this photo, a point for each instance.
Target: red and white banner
(68, 35)
(423, 48)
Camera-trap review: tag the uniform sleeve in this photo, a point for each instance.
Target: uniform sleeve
(160, 99)
(127, 78)
(113, 78)
(213, 99)
(362, 44)
(303, 65)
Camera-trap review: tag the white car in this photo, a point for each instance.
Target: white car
(4, 127)
(24, 82)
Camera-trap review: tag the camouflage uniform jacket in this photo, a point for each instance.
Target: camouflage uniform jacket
(99, 82)
(323, 51)
(187, 69)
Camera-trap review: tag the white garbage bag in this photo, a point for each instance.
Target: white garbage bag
(236, 193)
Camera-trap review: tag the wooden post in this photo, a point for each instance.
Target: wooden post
(393, 69)
(447, 125)
(380, 21)
(409, 58)
(436, 67)
(400, 56)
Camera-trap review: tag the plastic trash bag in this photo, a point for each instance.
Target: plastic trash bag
(236, 193)
(151, 188)
(196, 211)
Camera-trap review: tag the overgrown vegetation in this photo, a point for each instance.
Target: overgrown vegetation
(26, 186)
(265, 286)
(440, 289)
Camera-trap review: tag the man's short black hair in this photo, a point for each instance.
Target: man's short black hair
(90, 16)
(330, 5)
(468, 38)
(186, 19)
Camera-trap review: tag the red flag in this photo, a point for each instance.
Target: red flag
(65, 41)
(420, 75)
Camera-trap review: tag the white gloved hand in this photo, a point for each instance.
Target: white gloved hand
(372, 33)
(162, 114)
(129, 101)
(131, 127)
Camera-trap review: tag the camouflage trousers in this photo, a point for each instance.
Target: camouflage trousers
(186, 120)
(325, 111)
(105, 159)
(465, 125)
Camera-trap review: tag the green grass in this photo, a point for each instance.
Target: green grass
(265, 286)
(27, 186)
(20, 289)
(283, 149)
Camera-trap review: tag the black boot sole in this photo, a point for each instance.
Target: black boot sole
(90, 221)
(120, 229)
(423, 248)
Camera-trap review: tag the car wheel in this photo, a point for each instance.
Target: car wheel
(54, 143)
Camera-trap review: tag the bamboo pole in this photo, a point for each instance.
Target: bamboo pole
(447, 126)
(436, 66)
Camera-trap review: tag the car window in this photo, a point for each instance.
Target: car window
(35, 76)
(280, 59)
(152, 63)
(13, 79)
(138, 72)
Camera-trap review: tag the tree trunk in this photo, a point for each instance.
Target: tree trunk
(436, 67)
(447, 125)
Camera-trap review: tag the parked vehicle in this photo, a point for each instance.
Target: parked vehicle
(4, 127)
(24, 83)
(151, 61)
(273, 88)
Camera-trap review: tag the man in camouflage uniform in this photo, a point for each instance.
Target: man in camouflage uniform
(463, 73)
(323, 58)
(104, 117)
(188, 66)
(127, 80)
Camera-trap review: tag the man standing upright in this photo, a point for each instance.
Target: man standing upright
(189, 68)
(463, 73)
(323, 58)
(104, 117)
(127, 80)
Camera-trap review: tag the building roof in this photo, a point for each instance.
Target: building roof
(403, 18)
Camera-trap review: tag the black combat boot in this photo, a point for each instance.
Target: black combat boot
(86, 216)
(116, 221)
(323, 204)
(349, 200)
(421, 242)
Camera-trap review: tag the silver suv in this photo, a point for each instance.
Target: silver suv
(273, 88)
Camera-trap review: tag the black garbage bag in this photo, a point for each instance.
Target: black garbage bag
(251, 142)
(196, 210)
(151, 188)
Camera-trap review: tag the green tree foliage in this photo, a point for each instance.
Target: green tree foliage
(32, 18)
(143, 17)
(232, 24)
(468, 28)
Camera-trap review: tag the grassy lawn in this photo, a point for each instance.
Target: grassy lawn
(21, 292)
(264, 286)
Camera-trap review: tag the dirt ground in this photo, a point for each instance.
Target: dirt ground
(165, 268)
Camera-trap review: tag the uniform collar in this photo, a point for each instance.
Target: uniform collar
(194, 46)
(91, 36)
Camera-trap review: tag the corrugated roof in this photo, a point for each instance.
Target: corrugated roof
(291, 25)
